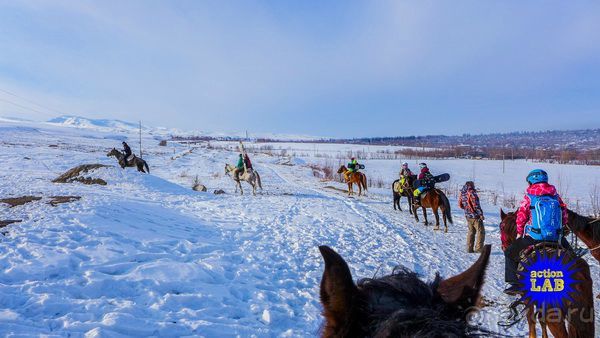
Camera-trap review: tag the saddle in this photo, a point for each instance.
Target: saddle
(550, 248)
(129, 159)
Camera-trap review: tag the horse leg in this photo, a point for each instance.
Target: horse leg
(437, 218)
(414, 211)
(253, 189)
(359, 189)
(544, 325)
(531, 322)
(557, 323)
(425, 215)
(444, 218)
(349, 189)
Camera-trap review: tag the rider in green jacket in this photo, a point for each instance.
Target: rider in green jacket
(239, 168)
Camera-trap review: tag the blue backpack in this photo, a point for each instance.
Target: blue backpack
(546, 218)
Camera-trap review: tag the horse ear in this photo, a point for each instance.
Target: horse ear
(502, 214)
(462, 291)
(337, 288)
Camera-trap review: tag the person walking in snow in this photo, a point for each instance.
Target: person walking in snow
(546, 224)
(469, 202)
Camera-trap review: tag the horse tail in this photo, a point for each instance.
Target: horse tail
(363, 181)
(147, 168)
(446, 204)
(258, 179)
(394, 185)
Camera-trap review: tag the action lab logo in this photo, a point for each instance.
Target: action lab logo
(547, 279)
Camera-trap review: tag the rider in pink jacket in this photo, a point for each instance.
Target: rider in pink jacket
(524, 213)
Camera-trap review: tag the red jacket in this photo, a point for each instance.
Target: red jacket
(524, 212)
(422, 174)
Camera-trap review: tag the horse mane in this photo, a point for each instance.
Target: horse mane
(402, 304)
(581, 223)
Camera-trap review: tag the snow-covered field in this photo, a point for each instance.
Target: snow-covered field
(147, 256)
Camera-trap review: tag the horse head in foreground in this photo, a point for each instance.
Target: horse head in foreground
(400, 304)
(137, 162)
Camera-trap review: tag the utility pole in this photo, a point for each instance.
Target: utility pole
(503, 166)
(141, 156)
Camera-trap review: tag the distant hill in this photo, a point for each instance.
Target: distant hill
(585, 139)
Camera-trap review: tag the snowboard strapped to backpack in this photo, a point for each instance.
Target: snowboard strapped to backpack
(546, 218)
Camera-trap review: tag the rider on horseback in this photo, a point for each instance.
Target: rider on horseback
(545, 225)
(247, 162)
(353, 167)
(427, 182)
(126, 152)
(404, 174)
(239, 168)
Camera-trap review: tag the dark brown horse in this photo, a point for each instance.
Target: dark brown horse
(357, 178)
(580, 311)
(400, 304)
(588, 230)
(135, 162)
(585, 228)
(434, 200)
(407, 191)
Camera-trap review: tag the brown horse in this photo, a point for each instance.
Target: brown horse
(407, 190)
(137, 162)
(357, 178)
(434, 200)
(588, 230)
(400, 304)
(585, 228)
(580, 311)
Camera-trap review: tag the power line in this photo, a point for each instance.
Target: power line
(25, 107)
(30, 101)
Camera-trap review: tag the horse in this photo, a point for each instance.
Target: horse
(553, 317)
(399, 304)
(357, 178)
(588, 230)
(407, 190)
(135, 162)
(250, 176)
(434, 200)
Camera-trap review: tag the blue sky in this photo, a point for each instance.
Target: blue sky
(342, 69)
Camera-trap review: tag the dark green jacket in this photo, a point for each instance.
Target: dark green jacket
(240, 164)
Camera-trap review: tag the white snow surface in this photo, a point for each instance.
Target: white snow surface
(147, 256)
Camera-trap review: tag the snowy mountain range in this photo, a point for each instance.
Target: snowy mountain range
(119, 126)
(100, 124)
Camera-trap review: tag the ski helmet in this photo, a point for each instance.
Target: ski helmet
(537, 176)
(422, 165)
(404, 164)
